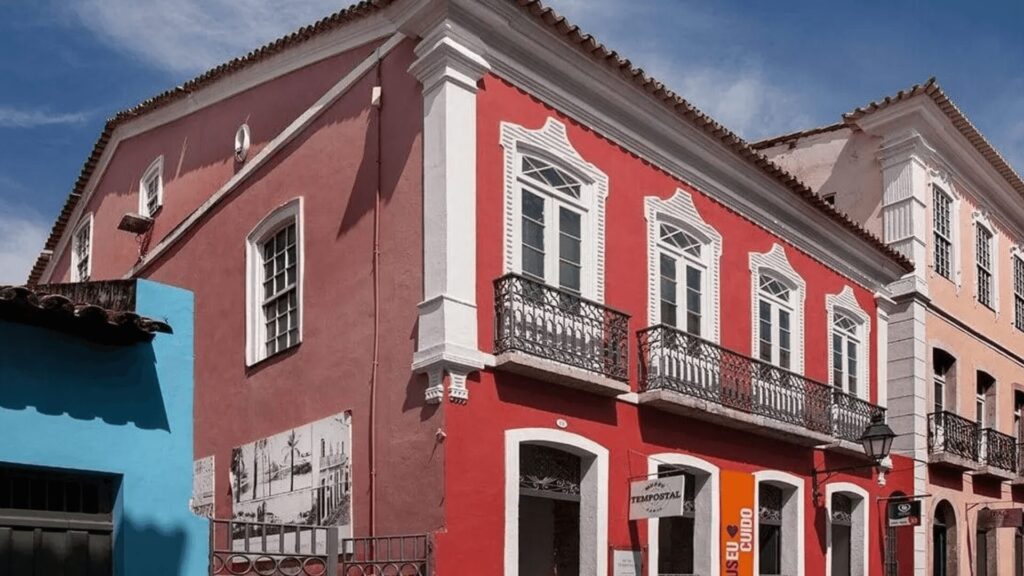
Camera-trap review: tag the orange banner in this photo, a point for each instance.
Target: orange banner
(738, 536)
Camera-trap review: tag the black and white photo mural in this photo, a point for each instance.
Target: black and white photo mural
(299, 476)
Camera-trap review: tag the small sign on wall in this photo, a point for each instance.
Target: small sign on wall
(656, 497)
(203, 487)
(738, 535)
(627, 562)
(904, 513)
(1000, 518)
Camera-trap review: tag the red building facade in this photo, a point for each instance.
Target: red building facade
(527, 275)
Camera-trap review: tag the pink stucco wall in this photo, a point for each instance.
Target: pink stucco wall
(332, 164)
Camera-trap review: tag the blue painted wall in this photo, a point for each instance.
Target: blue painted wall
(127, 410)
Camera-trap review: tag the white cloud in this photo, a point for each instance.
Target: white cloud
(193, 35)
(735, 89)
(15, 118)
(22, 235)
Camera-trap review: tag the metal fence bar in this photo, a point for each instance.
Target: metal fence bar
(998, 450)
(948, 432)
(555, 324)
(671, 359)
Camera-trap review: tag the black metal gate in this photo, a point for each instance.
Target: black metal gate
(54, 522)
(258, 548)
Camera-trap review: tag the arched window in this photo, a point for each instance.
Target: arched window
(850, 329)
(683, 255)
(274, 283)
(848, 523)
(944, 540)
(943, 380)
(151, 189)
(556, 503)
(554, 210)
(778, 300)
(780, 524)
(687, 544)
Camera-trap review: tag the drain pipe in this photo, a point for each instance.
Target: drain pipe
(375, 103)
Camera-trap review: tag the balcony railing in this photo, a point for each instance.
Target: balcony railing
(952, 434)
(997, 449)
(674, 360)
(546, 322)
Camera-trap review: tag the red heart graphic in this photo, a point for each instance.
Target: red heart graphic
(732, 530)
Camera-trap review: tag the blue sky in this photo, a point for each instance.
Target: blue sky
(761, 68)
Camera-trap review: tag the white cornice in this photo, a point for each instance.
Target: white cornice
(944, 148)
(539, 62)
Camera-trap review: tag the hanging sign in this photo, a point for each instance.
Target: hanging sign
(656, 497)
(904, 513)
(203, 487)
(1000, 518)
(737, 535)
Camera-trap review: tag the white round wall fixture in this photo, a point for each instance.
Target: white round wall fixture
(561, 423)
(242, 142)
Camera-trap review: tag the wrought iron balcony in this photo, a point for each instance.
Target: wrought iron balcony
(546, 322)
(997, 450)
(952, 435)
(679, 362)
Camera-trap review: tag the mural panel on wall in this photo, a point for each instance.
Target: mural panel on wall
(299, 476)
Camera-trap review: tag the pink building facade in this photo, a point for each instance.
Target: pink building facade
(915, 171)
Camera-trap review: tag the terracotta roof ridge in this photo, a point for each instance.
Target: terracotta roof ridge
(796, 135)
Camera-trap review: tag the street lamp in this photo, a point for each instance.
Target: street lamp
(877, 442)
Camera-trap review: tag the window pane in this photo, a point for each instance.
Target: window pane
(837, 360)
(569, 222)
(765, 331)
(569, 276)
(693, 289)
(851, 358)
(533, 207)
(668, 313)
(569, 249)
(533, 262)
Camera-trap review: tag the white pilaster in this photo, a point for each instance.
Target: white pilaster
(904, 203)
(447, 339)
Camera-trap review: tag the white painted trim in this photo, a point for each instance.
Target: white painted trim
(862, 507)
(291, 211)
(940, 179)
(1016, 255)
(277, 144)
(775, 262)
(714, 527)
(155, 168)
(551, 142)
(797, 484)
(680, 211)
(448, 70)
(980, 218)
(88, 220)
(845, 301)
(576, 444)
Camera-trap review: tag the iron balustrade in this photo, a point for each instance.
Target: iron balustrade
(671, 359)
(547, 322)
(852, 415)
(267, 549)
(997, 449)
(952, 434)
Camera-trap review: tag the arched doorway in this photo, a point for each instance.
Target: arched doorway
(944, 540)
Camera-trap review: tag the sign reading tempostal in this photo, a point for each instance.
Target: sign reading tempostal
(656, 497)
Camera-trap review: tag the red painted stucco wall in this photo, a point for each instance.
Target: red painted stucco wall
(332, 164)
(499, 401)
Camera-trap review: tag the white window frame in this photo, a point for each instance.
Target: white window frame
(75, 276)
(793, 561)
(980, 220)
(155, 170)
(291, 211)
(679, 211)
(707, 514)
(859, 563)
(845, 302)
(775, 263)
(593, 495)
(1017, 288)
(551, 143)
(941, 184)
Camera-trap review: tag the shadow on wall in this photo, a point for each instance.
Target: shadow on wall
(59, 374)
(152, 549)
